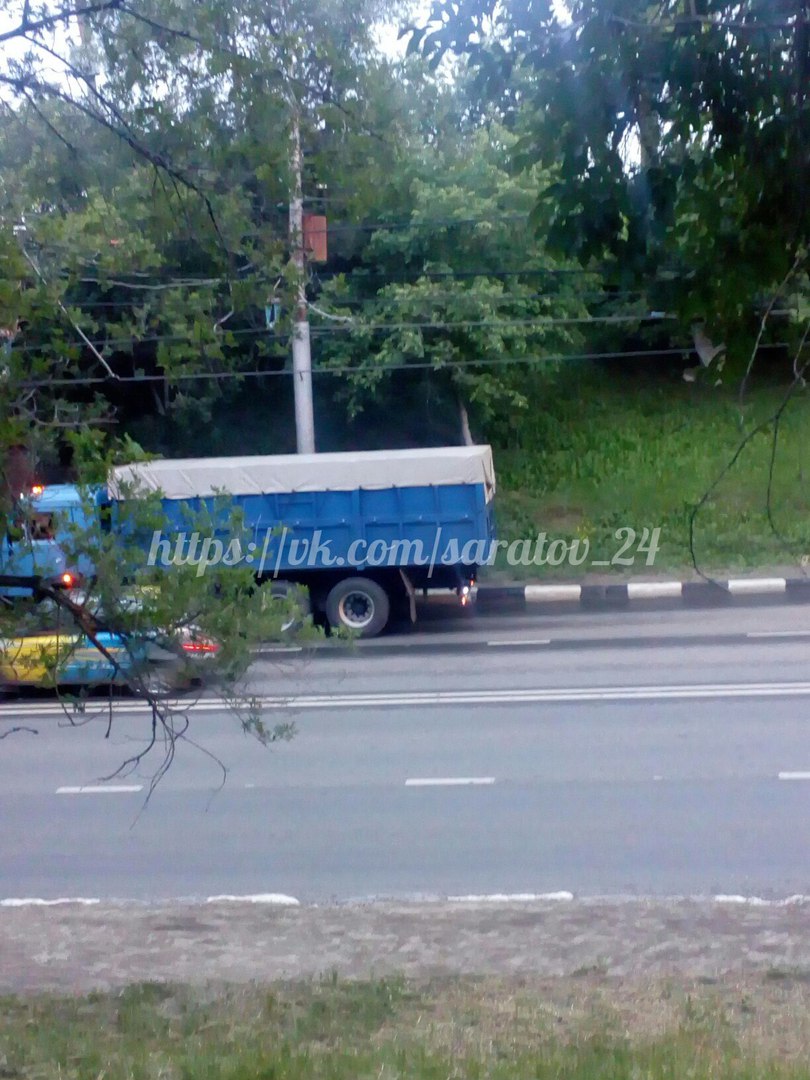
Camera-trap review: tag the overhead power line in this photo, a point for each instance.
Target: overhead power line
(349, 324)
(488, 271)
(426, 223)
(352, 324)
(153, 339)
(495, 324)
(90, 345)
(471, 294)
(369, 301)
(499, 361)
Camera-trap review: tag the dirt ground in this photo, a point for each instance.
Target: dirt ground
(79, 948)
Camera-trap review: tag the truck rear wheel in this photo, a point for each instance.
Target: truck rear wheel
(358, 604)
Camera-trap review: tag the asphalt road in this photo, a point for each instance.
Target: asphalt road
(633, 753)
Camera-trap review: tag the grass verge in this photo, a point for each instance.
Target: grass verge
(583, 1027)
(607, 453)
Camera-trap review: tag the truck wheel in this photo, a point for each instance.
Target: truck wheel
(160, 681)
(358, 604)
(292, 599)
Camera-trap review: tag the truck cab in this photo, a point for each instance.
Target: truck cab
(31, 547)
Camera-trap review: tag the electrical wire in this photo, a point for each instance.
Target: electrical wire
(426, 223)
(471, 294)
(499, 361)
(360, 275)
(35, 267)
(494, 324)
(134, 340)
(351, 324)
(467, 294)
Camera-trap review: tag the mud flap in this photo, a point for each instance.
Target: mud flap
(411, 594)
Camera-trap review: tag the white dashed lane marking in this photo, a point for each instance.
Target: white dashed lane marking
(525, 641)
(100, 789)
(448, 781)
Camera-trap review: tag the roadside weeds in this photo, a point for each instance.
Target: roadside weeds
(581, 1027)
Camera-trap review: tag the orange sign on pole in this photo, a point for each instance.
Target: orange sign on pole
(314, 236)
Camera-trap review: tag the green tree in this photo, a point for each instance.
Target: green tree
(160, 201)
(452, 283)
(679, 139)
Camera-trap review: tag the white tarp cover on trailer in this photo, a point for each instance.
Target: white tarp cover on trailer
(188, 478)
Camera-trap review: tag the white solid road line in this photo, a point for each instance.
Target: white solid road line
(778, 633)
(100, 789)
(448, 781)
(794, 775)
(524, 641)
(553, 695)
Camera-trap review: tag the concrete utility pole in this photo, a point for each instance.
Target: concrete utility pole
(301, 351)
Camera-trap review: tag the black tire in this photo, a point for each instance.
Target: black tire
(292, 596)
(160, 681)
(358, 604)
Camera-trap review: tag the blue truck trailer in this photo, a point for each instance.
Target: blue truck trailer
(361, 532)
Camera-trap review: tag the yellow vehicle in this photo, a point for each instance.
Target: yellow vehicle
(50, 651)
(61, 659)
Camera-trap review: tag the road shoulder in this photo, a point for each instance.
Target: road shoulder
(78, 948)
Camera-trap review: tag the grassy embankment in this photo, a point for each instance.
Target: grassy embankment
(580, 1028)
(606, 453)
